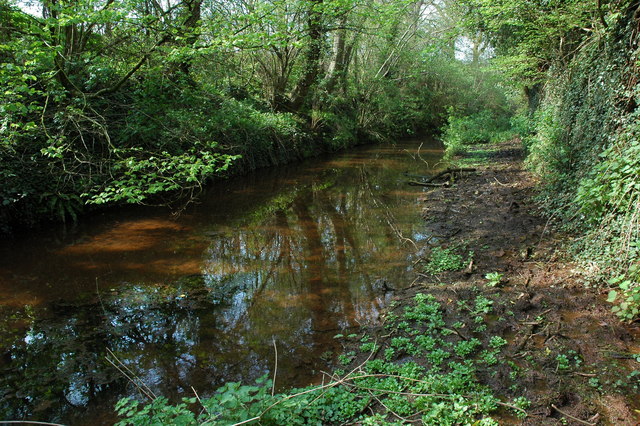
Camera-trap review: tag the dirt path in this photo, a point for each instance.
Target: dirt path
(566, 353)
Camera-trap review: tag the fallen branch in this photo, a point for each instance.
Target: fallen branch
(428, 184)
(571, 417)
(429, 181)
(524, 341)
(577, 373)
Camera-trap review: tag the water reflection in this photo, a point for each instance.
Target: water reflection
(286, 255)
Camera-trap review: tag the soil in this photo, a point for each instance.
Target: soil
(543, 306)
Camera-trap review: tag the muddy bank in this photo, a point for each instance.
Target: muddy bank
(566, 352)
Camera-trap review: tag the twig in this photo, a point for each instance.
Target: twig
(453, 330)
(404, 420)
(142, 386)
(151, 397)
(577, 373)
(571, 417)
(275, 368)
(100, 298)
(500, 183)
(200, 401)
(428, 184)
(28, 422)
(248, 420)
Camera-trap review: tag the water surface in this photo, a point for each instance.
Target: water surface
(292, 255)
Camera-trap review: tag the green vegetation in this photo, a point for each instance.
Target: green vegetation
(141, 102)
(445, 259)
(494, 278)
(439, 385)
(575, 66)
(586, 149)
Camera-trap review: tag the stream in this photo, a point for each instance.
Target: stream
(282, 259)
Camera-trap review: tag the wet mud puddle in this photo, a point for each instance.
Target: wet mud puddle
(293, 255)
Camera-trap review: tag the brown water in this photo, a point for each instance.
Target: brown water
(291, 255)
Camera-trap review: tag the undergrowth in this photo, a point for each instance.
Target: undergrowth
(438, 384)
(583, 143)
(587, 152)
(445, 259)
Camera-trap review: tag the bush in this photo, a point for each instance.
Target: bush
(482, 127)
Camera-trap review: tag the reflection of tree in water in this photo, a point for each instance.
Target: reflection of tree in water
(298, 274)
(53, 364)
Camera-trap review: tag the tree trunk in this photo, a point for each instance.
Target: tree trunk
(311, 72)
(190, 27)
(337, 66)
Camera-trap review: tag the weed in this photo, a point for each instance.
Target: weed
(368, 347)
(563, 363)
(466, 347)
(345, 359)
(490, 357)
(594, 382)
(483, 305)
(496, 342)
(443, 259)
(523, 403)
(494, 278)
(627, 297)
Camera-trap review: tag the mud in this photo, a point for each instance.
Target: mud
(541, 304)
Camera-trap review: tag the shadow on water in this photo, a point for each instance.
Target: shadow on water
(290, 255)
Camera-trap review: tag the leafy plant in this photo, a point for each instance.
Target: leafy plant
(442, 389)
(494, 278)
(627, 297)
(443, 259)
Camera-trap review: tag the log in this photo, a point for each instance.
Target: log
(448, 171)
(429, 181)
(438, 175)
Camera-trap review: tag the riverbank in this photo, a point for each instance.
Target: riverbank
(496, 328)
(566, 353)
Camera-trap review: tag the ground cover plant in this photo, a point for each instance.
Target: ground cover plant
(427, 371)
(569, 356)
